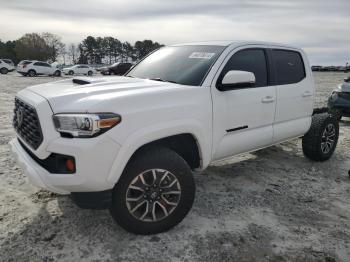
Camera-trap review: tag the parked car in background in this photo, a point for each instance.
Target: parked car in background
(339, 100)
(79, 70)
(116, 69)
(34, 68)
(6, 65)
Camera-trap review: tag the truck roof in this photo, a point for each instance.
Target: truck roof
(238, 43)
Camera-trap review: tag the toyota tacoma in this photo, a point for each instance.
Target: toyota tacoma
(132, 143)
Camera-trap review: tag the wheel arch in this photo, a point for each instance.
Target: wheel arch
(189, 145)
(185, 145)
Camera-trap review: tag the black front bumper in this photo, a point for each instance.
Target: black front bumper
(341, 101)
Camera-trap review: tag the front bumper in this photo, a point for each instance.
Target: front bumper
(93, 164)
(94, 157)
(34, 172)
(338, 102)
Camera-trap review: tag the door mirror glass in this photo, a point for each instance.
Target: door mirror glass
(237, 79)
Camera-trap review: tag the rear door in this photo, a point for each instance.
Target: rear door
(47, 69)
(295, 94)
(84, 69)
(243, 117)
(40, 68)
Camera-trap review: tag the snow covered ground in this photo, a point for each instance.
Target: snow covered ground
(271, 205)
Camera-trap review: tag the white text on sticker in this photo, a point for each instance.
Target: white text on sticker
(201, 55)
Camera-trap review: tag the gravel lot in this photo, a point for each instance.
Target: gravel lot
(271, 205)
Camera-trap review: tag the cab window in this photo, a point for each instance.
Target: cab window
(250, 60)
(289, 66)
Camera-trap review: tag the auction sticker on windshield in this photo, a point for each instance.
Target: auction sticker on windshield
(201, 55)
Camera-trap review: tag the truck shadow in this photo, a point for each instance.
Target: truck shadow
(61, 230)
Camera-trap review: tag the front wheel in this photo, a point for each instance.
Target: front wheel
(57, 73)
(90, 73)
(321, 140)
(154, 193)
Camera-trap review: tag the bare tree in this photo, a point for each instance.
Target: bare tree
(55, 45)
(32, 46)
(73, 53)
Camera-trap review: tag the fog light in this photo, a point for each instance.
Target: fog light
(70, 165)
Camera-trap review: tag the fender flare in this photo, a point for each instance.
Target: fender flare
(155, 132)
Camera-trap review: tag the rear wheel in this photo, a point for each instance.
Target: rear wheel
(90, 73)
(31, 73)
(4, 70)
(154, 193)
(321, 140)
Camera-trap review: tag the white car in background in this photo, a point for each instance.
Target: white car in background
(79, 70)
(34, 68)
(6, 65)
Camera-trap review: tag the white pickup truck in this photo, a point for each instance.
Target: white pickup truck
(131, 143)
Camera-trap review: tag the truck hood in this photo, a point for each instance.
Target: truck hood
(84, 93)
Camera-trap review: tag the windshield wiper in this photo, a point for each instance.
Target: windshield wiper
(162, 80)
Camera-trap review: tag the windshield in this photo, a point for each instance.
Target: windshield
(186, 65)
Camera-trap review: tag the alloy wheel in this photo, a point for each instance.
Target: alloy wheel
(328, 139)
(153, 195)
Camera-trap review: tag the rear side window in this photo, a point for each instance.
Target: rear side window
(251, 60)
(289, 66)
(8, 61)
(41, 64)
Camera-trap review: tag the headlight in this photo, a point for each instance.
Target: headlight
(334, 95)
(85, 125)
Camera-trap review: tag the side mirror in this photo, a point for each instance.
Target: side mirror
(237, 79)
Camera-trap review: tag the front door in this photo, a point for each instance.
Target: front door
(243, 117)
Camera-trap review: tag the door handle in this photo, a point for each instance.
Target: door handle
(268, 99)
(307, 94)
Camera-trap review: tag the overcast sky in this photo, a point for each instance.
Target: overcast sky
(321, 27)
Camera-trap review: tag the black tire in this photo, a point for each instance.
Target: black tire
(160, 159)
(337, 113)
(57, 73)
(71, 72)
(314, 141)
(89, 73)
(31, 73)
(4, 70)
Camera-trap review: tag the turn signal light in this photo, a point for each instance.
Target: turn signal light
(108, 123)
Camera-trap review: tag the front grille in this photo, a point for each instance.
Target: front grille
(26, 123)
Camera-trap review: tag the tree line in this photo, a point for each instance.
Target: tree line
(92, 50)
